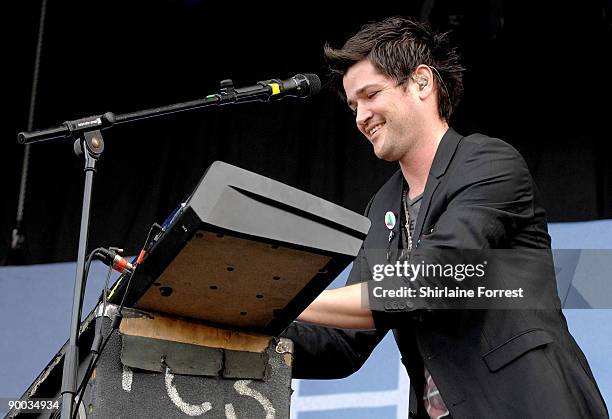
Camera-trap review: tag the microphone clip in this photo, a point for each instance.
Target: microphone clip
(227, 87)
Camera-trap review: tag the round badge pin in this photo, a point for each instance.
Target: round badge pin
(390, 220)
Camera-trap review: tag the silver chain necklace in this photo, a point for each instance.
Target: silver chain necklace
(407, 216)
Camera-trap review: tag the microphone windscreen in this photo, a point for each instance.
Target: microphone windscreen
(314, 82)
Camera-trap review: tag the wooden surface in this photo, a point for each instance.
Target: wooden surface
(185, 331)
(231, 281)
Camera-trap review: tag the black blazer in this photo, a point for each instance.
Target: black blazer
(486, 363)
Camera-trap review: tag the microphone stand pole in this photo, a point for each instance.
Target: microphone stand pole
(91, 147)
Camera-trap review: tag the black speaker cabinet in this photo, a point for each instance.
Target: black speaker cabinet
(156, 366)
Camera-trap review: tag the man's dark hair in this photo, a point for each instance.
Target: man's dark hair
(395, 47)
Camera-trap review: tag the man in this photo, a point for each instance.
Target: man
(452, 192)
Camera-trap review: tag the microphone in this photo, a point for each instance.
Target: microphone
(112, 258)
(300, 85)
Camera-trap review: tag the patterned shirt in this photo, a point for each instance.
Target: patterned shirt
(432, 399)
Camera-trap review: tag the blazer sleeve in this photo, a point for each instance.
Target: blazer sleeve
(324, 352)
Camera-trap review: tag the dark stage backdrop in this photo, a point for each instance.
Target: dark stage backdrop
(536, 77)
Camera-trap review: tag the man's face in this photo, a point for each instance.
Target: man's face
(386, 113)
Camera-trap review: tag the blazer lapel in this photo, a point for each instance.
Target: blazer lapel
(444, 155)
(381, 240)
(395, 204)
(430, 187)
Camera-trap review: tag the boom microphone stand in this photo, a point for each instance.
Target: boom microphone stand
(90, 144)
